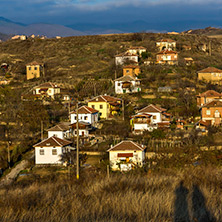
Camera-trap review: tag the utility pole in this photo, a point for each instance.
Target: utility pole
(77, 141)
(9, 159)
(123, 109)
(41, 130)
(94, 86)
(115, 75)
(210, 49)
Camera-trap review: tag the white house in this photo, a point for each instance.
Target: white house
(126, 155)
(142, 122)
(166, 44)
(85, 114)
(127, 84)
(84, 129)
(47, 89)
(136, 50)
(120, 59)
(49, 151)
(61, 131)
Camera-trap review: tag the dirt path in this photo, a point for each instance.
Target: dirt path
(9, 178)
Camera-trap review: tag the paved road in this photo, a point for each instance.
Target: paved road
(9, 178)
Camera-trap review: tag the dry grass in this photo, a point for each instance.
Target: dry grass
(154, 197)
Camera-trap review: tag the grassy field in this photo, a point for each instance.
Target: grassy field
(193, 194)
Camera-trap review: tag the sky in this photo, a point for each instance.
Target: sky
(170, 15)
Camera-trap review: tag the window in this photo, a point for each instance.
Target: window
(101, 106)
(54, 151)
(208, 112)
(75, 117)
(118, 84)
(30, 68)
(35, 68)
(93, 106)
(154, 117)
(85, 117)
(127, 71)
(42, 152)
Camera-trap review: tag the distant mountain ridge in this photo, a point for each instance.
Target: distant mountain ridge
(207, 31)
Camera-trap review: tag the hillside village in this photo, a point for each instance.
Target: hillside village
(130, 100)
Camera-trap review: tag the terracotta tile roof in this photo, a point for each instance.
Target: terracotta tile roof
(214, 103)
(53, 142)
(105, 98)
(210, 93)
(47, 85)
(142, 115)
(151, 109)
(163, 124)
(167, 51)
(59, 127)
(126, 145)
(210, 69)
(126, 78)
(82, 125)
(85, 110)
(126, 54)
(131, 66)
(34, 63)
(201, 122)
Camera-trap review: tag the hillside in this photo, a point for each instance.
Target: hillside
(209, 31)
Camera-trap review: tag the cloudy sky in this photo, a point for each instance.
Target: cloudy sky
(160, 14)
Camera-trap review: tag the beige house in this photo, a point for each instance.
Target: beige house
(138, 50)
(211, 74)
(166, 44)
(34, 70)
(167, 56)
(126, 155)
(46, 89)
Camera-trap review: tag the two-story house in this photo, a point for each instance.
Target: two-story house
(61, 130)
(207, 97)
(46, 89)
(34, 70)
(212, 112)
(210, 74)
(126, 155)
(127, 84)
(166, 44)
(131, 70)
(106, 105)
(167, 56)
(86, 114)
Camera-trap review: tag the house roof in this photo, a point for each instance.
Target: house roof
(131, 66)
(214, 103)
(59, 127)
(167, 51)
(105, 98)
(126, 78)
(210, 69)
(53, 141)
(151, 109)
(142, 115)
(81, 125)
(34, 63)
(210, 93)
(126, 145)
(85, 110)
(188, 59)
(201, 122)
(125, 54)
(47, 85)
(167, 40)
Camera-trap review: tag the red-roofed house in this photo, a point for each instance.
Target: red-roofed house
(210, 74)
(166, 44)
(86, 114)
(167, 56)
(207, 97)
(126, 155)
(49, 151)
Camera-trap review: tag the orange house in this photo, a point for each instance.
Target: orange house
(212, 112)
(207, 97)
(131, 70)
(167, 56)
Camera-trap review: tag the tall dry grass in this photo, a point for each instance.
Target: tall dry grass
(188, 195)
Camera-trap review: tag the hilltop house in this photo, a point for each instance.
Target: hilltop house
(125, 57)
(167, 56)
(106, 105)
(211, 74)
(137, 50)
(207, 97)
(131, 70)
(212, 112)
(49, 151)
(61, 130)
(127, 84)
(126, 155)
(34, 70)
(47, 89)
(85, 114)
(166, 44)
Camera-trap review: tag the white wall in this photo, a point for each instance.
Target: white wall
(158, 117)
(91, 118)
(48, 158)
(121, 59)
